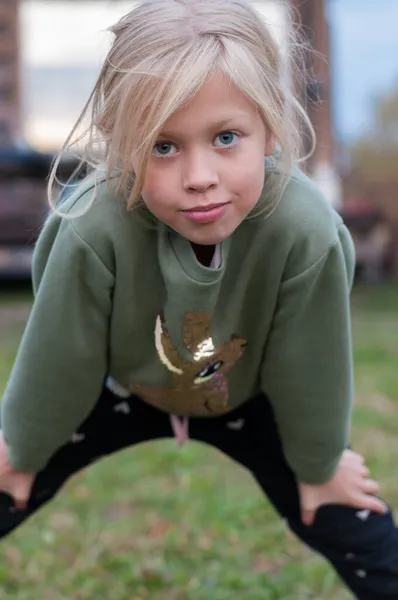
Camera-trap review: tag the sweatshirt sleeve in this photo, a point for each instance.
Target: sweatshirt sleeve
(308, 367)
(62, 360)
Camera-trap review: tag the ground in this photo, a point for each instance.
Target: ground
(156, 523)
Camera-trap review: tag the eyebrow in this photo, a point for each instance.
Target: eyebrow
(215, 126)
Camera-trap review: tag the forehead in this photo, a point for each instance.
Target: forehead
(217, 101)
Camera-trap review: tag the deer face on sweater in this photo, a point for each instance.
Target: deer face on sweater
(198, 386)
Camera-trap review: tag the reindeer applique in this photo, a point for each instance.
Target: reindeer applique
(198, 386)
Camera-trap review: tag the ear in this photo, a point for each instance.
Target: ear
(270, 145)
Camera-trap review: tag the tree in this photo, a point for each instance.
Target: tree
(375, 155)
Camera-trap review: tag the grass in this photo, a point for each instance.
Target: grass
(161, 524)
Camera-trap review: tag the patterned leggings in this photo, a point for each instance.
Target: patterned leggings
(362, 547)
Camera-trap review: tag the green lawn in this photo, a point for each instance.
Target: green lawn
(161, 524)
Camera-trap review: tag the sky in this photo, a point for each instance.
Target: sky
(65, 33)
(364, 59)
(364, 47)
(47, 28)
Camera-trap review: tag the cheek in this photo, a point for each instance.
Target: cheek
(249, 179)
(148, 191)
(154, 190)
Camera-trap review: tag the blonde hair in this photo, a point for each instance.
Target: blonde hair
(163, 52)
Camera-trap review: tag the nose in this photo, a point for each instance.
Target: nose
(200, 172)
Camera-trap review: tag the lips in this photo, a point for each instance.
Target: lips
(206, 214)
(206, 208)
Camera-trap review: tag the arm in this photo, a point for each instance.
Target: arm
(62, 360)
(308, 369)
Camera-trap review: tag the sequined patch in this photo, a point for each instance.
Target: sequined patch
(199, 386)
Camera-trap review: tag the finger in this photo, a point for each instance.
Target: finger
(352, 453)
(370, 486)
(359, 458)
(354, 459)
(375, 505)
(21, 492)
(20, 503)
(308, 517)
(364, 472)
(21, 497)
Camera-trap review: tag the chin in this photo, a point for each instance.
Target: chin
(209, 235)
(211, 239)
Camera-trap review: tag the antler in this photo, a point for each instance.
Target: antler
(166, 351)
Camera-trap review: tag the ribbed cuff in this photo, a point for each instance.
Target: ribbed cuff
(25, 463)
(316, 474)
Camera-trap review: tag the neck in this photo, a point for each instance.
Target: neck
(204, 254)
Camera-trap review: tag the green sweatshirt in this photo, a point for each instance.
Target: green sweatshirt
(117, 298)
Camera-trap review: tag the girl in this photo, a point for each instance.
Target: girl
(197, 283)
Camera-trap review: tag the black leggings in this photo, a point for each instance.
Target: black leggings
(362, 547)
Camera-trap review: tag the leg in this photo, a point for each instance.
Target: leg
(362, 547)
(114, 424)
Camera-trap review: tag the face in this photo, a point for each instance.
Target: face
(206, 171)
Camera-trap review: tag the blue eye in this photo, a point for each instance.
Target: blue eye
(164, 149)
(226, 138)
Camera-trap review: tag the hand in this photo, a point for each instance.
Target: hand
(18, 485)
(350, 486)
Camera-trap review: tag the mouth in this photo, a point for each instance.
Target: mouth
(206, 214)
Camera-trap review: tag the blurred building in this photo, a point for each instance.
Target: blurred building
(312, 20)
(9, 72)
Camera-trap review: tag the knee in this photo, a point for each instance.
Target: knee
(344, 526)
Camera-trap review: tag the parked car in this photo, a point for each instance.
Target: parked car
(23, 205)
